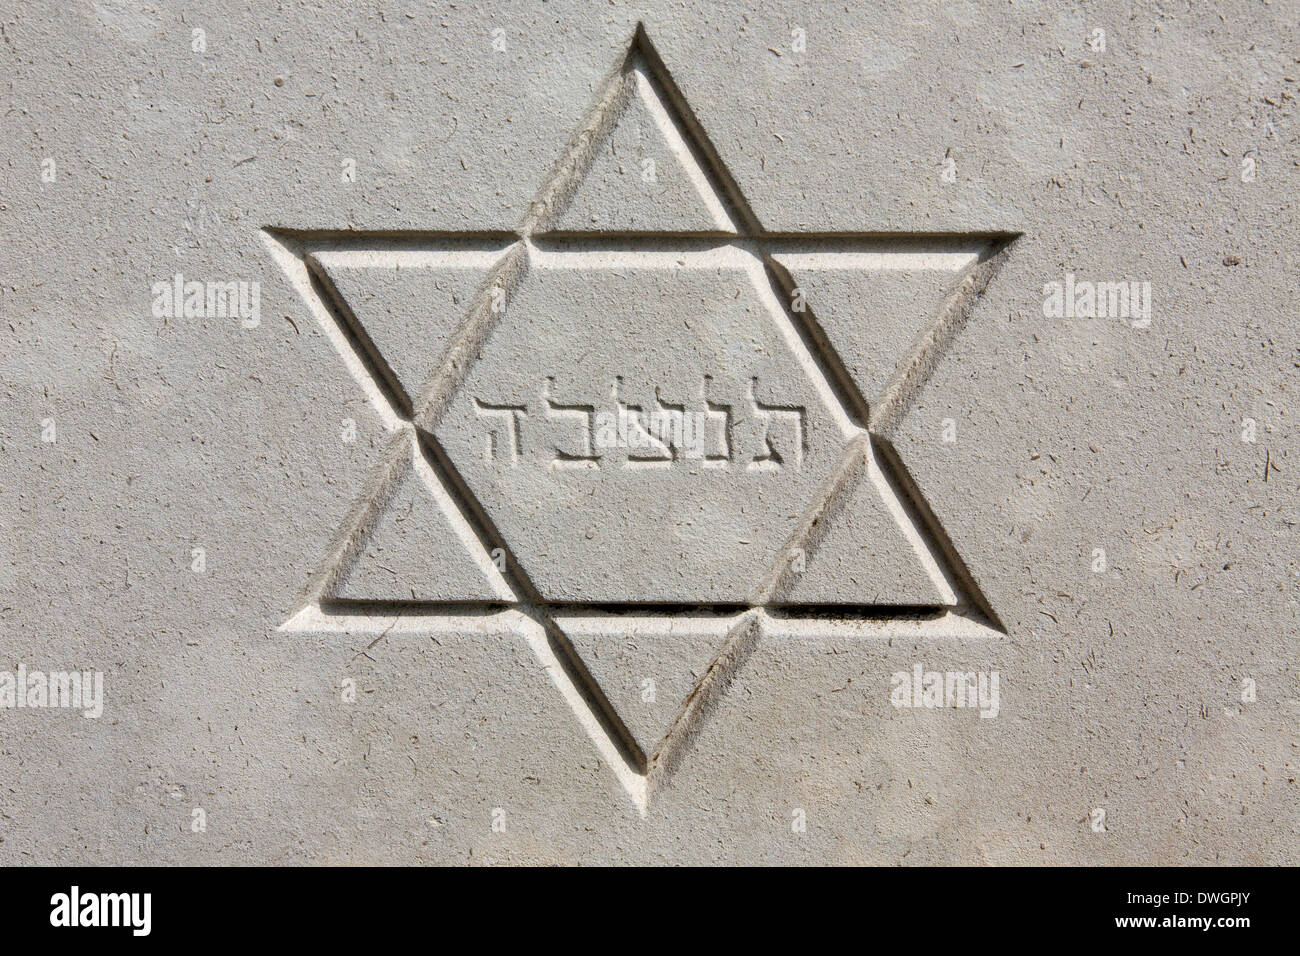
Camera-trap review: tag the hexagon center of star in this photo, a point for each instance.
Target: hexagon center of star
(644, 427)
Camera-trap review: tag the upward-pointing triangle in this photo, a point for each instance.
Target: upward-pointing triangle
(412, 545)
(863, 551)
(643, 175)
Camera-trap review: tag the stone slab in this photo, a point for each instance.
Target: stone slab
(1104, 505)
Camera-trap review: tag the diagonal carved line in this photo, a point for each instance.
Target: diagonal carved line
(804, 351)
(818, 344)
(970, 599)
(360, 353)
(350, 540)
(590, 690)
(706, 154)
(364, 346)
(627, 762)
(465, 347)
(625, 770)
(532, 604)
(935, 252)
(289, 255)
(739, 644)
(918, 522)
(837, 486)
(682, 143)
(476, 516)
(561, 183)
(359, 524)
(907, 517)
(809, 538)
(722, 625)
(900, 390)
(467, 532)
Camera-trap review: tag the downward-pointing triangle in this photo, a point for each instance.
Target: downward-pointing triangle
(648, 668)
(871, 309)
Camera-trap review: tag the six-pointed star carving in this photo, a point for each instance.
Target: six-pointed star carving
(635, 431)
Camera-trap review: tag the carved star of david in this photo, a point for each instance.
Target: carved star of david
(641, 431)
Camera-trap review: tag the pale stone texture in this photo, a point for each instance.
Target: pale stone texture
(1120, 689)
